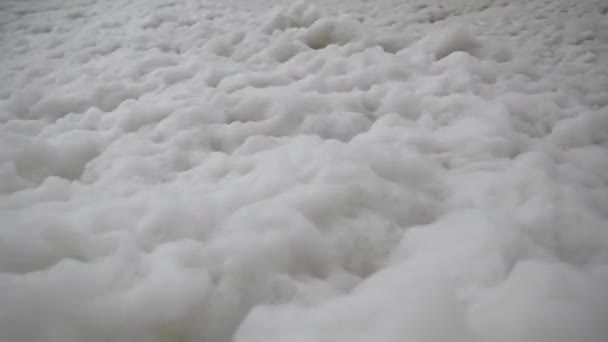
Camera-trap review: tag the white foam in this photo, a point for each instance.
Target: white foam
(269, 171)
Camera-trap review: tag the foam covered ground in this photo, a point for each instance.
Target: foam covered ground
(214, 171)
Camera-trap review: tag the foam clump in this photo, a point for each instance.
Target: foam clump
(300, 14)
(456, 39)
(339, 31)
